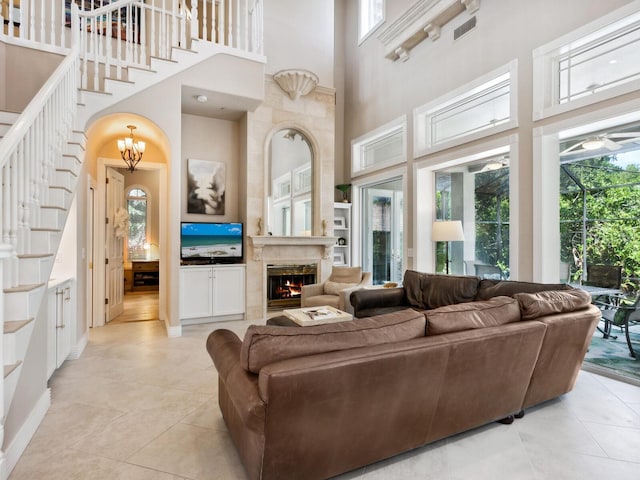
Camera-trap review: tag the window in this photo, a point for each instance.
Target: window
(481, 108)
(371, 16)
(380, 148)
(478, 195)
(138, 208)
(591, 64)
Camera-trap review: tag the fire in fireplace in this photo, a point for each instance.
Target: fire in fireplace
(284, 284)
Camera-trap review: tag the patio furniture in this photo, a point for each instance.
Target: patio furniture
(488, 271)
(607, 276)
(622, 313)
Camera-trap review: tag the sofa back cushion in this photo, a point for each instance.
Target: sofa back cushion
(492, 288)
(428, 290)
(467, 316)
(534, 305)
(265, 344)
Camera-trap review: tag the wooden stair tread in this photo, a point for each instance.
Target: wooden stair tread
(23, 288)
(10, 368)
(36, 255)
(40, 229)
(13, 326)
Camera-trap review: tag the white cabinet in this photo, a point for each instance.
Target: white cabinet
(211, 293)
(60, 321)
(342, 230)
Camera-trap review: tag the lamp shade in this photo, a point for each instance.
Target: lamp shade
(447, 231)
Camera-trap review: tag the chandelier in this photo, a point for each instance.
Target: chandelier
(131, 150)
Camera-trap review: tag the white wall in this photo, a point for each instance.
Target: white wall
(299, 34)
(378, 90)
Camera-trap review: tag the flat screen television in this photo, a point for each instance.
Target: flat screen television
(211, 242)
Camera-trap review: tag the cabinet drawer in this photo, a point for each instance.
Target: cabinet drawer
(145, 266)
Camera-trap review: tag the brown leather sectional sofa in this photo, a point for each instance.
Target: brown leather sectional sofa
(314, 402)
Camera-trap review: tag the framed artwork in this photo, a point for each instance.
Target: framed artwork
(119, 19)
(338, 258)
(339, 222)
(205, 186)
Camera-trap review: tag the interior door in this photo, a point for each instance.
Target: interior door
(114, 245)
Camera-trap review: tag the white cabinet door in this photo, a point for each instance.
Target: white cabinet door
(195, 292)
(60, 318)
(228, 290)
(52, 321)
(65, 318)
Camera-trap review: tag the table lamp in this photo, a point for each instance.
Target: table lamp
(447, 231)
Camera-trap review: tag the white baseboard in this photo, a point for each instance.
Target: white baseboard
(17, 447)
(79, 347)
(173, 330)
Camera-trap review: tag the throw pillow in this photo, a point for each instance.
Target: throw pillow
(534, 305)
(467, 316)
(264, 344)
(334, 288)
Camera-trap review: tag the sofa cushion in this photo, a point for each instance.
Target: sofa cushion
(467, 316)
(492, 288)
(428, 290)
(264, 344)
(346, 275)
(534, 305)
(334, 288)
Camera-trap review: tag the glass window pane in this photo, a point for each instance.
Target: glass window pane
(478, 195)
(608, 61)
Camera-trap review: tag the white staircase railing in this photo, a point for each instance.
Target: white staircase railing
(127, 33)
(28, 155)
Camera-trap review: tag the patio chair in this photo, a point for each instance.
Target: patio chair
(488, 271)
(620, 312)
(606, 276)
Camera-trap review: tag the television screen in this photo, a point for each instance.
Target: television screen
(211, 241)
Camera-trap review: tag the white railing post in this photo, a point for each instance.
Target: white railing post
(195, 22)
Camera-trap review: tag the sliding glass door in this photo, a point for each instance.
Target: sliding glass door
(383, 230)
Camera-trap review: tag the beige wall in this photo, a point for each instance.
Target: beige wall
(26, 72)
(299, 34)
(378, 90)
(213, 140)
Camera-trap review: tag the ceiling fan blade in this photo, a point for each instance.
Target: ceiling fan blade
(611, 145)
(571, 148)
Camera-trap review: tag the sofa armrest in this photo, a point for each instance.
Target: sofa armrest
(240, 386)
(371, 298)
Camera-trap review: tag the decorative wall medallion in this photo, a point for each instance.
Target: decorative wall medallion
(296, 82)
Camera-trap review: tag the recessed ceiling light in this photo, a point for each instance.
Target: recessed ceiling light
(593, 143)
(201, 98)
(613, 61)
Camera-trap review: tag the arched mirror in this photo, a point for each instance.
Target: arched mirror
(290, 184)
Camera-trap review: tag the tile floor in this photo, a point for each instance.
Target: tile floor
(138, 405)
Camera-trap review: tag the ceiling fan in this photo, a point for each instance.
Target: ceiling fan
(596, 142)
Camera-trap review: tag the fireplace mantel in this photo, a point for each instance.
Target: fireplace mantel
(261, 241)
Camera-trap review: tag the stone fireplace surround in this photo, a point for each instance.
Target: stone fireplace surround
(314, 115)
(269, 250)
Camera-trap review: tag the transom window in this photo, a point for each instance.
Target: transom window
(380, 148)
(481, 108)
(138, 208)
(605, 62)
(371, 16)
(593, 63)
